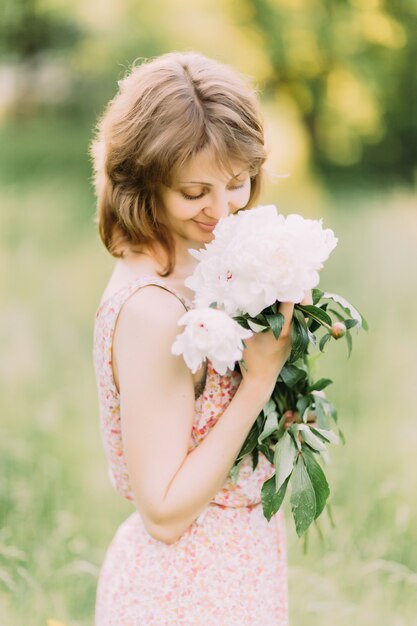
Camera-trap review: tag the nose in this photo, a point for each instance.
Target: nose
(219, 206)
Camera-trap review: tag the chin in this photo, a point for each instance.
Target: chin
(206, 237)
(199, 235)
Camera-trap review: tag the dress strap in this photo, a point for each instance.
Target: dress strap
(173, 291)
(119, 297)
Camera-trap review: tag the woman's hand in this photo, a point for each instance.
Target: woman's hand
(265, 356)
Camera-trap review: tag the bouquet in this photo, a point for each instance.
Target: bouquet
(259, 258)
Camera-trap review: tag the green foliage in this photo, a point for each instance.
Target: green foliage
(291, 375)
(318, 480)
(349, 69)
(285, 454)
(346, 68)
(296, 392)
(303, 498)
(26, 29)
(276, 322)
(272, 499)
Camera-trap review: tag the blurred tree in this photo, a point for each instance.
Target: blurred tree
(27, 32)
(349, 67)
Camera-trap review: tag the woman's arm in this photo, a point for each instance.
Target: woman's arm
(171, 486)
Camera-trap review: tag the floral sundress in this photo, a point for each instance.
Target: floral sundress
(229, 568)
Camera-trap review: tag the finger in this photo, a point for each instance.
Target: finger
(287, 310)
(308, 298)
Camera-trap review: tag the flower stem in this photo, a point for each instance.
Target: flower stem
(309, 314)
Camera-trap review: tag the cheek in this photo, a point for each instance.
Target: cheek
(186, 210)
(242, 196)
(178, 208)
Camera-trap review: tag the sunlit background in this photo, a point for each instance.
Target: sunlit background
(339, 96)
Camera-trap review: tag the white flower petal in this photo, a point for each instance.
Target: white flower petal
(258, 257)
(210, 334)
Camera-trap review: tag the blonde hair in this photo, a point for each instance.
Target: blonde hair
(166, 111)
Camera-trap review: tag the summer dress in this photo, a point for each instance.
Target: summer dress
(229, 567)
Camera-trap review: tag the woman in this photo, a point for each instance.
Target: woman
(179, 147)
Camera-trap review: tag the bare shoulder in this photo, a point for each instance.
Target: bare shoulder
(145, 331)
(153, 302)
(151, 309)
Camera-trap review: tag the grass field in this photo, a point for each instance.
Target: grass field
(58, 511)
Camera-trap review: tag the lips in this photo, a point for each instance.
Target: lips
(205, 226)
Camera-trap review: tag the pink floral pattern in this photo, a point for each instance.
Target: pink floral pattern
(229, 568)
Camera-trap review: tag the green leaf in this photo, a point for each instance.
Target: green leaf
(348, 338)
(300, 317)
(324, 405)
(348, 308)
(260, 318)
(284, 457)
(321, 411)
(303, 406)
(296, 341)
(321, 384)
(316, 295)
(250, 441)
(255, 327)
(242, 321)
(311, 337)
(267, 452)
(293, 430)
(310, 438)
(324, 340)
(313, 326)
(304, 331)
(299, 338)
(269, 407)
(270, 426)
(242, 362)
(328, 435)
(234, 472)
(315, 312)
(291, 374)
(276, 322)
(350, 323)
(271, 499)
(255, 458)
(318, 480)
(303, 498)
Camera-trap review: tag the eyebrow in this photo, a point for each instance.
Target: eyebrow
(199, 182)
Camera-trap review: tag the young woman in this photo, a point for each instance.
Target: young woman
(180, 147)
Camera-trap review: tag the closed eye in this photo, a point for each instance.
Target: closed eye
(200, 195)
(188, 197)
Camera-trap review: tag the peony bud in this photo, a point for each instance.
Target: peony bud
(338, 330)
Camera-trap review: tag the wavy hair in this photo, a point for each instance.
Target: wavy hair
(166, 110)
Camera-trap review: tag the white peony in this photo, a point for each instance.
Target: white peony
(258, 257)
(315, 243)
(210, 334)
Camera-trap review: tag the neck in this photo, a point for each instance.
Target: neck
(155, 260)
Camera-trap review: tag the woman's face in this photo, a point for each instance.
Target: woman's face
(201, 194)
